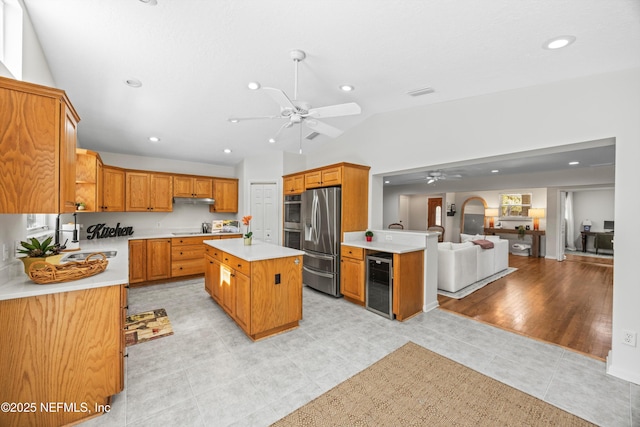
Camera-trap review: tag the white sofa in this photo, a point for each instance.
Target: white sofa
(462, 264)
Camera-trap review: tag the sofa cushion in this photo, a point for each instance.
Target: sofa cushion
(444, 245)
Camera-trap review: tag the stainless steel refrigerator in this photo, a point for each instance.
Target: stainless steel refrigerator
(321, 266)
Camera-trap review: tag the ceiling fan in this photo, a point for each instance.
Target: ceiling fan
(297, 112)
(439, 175)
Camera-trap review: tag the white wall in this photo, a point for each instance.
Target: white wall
(165, 165)
(572, 111)
(417, 213)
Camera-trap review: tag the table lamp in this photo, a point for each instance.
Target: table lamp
(536, 214)
(491, 213)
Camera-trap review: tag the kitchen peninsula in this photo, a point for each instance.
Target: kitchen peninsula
(259, 286)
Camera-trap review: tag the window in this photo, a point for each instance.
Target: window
(439, 215)
(36, 222)
(515, 205)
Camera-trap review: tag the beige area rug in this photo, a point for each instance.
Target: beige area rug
(147, 326)
(415, 387)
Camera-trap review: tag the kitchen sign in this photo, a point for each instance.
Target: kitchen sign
(101, 231)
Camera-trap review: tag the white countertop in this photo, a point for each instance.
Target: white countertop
(394, 248)
(14, 283)
(258, 251)
(161, 234)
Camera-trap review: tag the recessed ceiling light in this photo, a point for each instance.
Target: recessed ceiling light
(149, 2)
(227, 150)
(253, 85)
(154, 139)
(495, 171)
(133, 82)
(387, 182)
(347, 88)
(574, 163)
(559, 42)
(232, 120)
(272, 141)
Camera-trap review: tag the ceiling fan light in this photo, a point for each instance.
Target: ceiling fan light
(253, 85)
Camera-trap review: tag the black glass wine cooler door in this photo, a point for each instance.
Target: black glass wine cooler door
(379, 292)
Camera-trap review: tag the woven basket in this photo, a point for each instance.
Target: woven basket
(45, 273)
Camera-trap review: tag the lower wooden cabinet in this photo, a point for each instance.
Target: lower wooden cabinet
(249, 294)
(352, 274)
(187, 256)
(63, 347)
(149, 260)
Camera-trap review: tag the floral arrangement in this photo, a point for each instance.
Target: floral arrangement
(246, 220)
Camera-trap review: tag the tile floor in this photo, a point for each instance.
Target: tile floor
(210, 374)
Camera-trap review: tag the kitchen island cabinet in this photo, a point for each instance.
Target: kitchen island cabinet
(37, 149)
(258, 286)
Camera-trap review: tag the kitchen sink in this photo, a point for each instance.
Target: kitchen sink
(81, 256)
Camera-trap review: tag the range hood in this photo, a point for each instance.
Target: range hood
(193, 200)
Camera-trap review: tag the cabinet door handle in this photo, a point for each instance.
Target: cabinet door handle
(180, 253)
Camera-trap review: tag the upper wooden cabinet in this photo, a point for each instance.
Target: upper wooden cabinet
(113, 183)
(325, 177)
(89, 180)
(354, 181)
(192, 186)
(37, 149)
(148, 192)
(293, 184)
(225, 193)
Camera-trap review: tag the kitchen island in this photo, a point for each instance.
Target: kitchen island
(259, 286)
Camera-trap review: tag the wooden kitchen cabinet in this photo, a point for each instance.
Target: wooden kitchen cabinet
(187, 255)
(408, 284)
(354, 182)
(326, 177)
(192, 186)
(148, 192)
(63, 347)
(293, 184)
(137, 261)
(89, 180)
(158, 259)
(113, 188)
(352, 274)
(248, 292)
(149, 260)
(225, 193)
(37, 149)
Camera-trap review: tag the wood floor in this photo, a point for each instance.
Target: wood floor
(567, 303)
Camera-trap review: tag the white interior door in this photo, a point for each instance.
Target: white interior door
(264, 210)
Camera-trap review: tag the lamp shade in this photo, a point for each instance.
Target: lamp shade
(587, 222)
(491, 212)
(536, 212)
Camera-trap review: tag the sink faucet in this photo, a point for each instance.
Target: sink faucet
(56, 240)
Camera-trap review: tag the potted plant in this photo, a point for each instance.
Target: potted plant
(80, 206)
(521, 232)
(368, 235)
(246, 220)
(37, 251)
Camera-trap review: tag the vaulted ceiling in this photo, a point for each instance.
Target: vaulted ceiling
(194, 59)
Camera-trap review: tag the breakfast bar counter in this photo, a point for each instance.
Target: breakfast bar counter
(259, 286)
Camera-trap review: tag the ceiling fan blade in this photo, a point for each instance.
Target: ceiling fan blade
(348, 109)
(322, 128)
(242, 119)
(281, 98)
(280, 129)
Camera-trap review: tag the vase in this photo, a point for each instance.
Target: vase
(369, 238)
(247, 241)
(52, 259)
